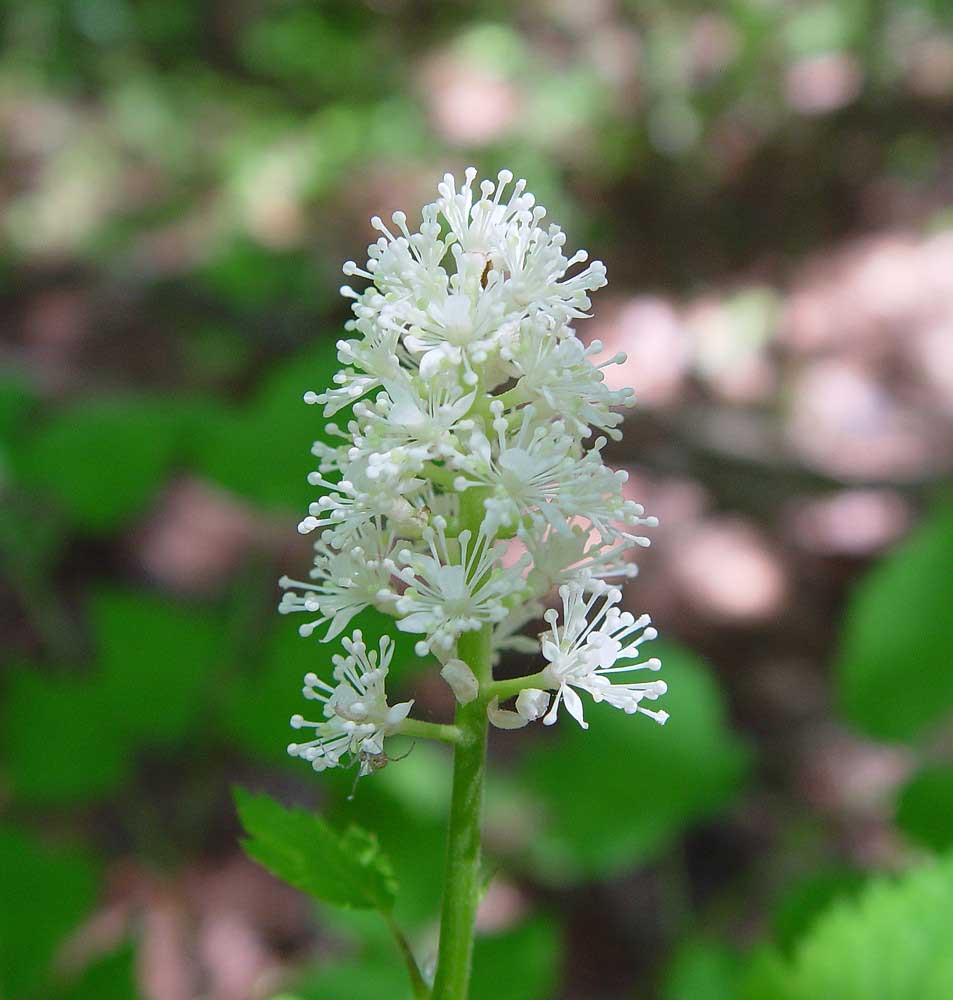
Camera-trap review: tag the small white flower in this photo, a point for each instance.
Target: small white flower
(583, 652)
(344, 582)
(357, 718)
(457, 588)
(558, 378)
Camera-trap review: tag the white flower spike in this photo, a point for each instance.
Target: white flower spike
(472, 428)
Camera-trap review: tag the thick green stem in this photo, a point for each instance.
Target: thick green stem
(463, 882)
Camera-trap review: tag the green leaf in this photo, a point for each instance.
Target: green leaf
(521, 963)
(103, 459)
(263, 451)
(894, 669)
(60, 738)
(154, 658)
(16, 397)
(892, 943)
(925, 807)
(617, 794)
(300, 848)
(111, 977)
(799, 907)
(45, 895)
(702, 970)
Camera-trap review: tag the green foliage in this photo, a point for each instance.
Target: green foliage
(299, 847)
(154, 658)
(890, 944)
(45, 894)
(617, 794)
(61, 743)
(517, 964)
(799, 907)
(894, 668)
(925, 807)
(261, 451)
(111, 977)
(15, 400)
(702, 970)
(520, 963)
(103, 459)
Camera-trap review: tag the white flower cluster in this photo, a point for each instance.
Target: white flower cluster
(468, 391)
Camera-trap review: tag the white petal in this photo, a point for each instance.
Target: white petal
(503, 719)
(462, 681)
(532, 703)
(574, 706)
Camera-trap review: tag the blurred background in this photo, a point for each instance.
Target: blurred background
(770, 184)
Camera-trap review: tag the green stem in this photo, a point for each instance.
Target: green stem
(508, 688)
(429, 731)
(462, 882)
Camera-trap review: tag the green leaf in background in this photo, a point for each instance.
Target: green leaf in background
(895, 668)
(60, 740)
(616, 794)
(45, 894)
(364, 964)
(103, 459)
(801, 905)
(702, 970)
(154, 658)
(16, 397)
(344, 869)
(893, 943)
(262, 451)
(520, 963)
(925, 807)
(111, 977)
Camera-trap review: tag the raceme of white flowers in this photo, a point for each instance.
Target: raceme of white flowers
(462, 373)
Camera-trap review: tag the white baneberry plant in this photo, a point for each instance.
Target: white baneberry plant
(467, 487)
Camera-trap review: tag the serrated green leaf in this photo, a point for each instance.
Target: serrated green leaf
(103, 459)
(45, 893)
(61, 742)
(154, 660)
(925, 807)
(895, 667)
(299, 847)
(616, 794)
(892, 943)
